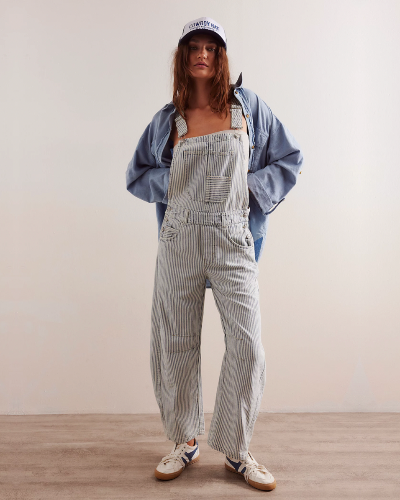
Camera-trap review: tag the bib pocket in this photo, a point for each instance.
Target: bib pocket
(219, 176)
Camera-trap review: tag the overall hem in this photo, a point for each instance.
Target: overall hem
(230, 454)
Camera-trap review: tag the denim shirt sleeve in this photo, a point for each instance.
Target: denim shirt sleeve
(279, 156)
(144, 178)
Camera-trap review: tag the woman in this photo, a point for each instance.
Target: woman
(225, 144)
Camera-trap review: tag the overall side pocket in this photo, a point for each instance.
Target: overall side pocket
(170, 228)
(240, 237)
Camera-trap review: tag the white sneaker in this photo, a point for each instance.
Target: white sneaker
(173, 464)
(255, 474)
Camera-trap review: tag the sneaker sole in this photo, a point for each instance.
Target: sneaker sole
(259, 486)
(173, 475)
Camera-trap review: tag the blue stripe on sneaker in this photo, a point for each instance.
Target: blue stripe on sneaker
(236, 465)
(190, 455)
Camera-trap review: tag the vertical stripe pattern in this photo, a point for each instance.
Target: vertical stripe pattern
(205, 235)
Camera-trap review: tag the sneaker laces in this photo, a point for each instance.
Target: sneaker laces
(173, 456)
(253, 466)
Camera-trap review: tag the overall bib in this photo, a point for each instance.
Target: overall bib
(205, 235)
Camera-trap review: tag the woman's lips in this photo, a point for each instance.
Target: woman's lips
(201, 65)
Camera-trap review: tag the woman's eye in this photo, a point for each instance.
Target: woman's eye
(194, 48)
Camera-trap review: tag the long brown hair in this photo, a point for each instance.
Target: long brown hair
(221, 88)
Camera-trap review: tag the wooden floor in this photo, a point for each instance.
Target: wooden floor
(312, 456)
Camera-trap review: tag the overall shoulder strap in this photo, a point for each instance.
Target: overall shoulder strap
(181, 125)
(236, 118)
(236, 114)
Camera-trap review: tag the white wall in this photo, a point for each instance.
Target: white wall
(80, 81)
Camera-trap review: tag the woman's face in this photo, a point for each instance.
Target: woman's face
(202, 51)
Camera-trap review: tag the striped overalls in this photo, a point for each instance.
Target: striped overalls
(205, 234)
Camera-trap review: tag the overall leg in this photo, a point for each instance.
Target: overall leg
(233, 277)
(177, 316)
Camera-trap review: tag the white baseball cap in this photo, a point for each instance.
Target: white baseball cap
(203, 25)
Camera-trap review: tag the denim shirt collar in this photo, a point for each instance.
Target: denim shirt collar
(238, 82)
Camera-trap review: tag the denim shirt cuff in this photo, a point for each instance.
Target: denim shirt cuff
(166, 183)
(259, 193)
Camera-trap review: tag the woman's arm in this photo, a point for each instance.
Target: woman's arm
(143, 178)
(280, 156)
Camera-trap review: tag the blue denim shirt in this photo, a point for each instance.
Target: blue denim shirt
(275, 161)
